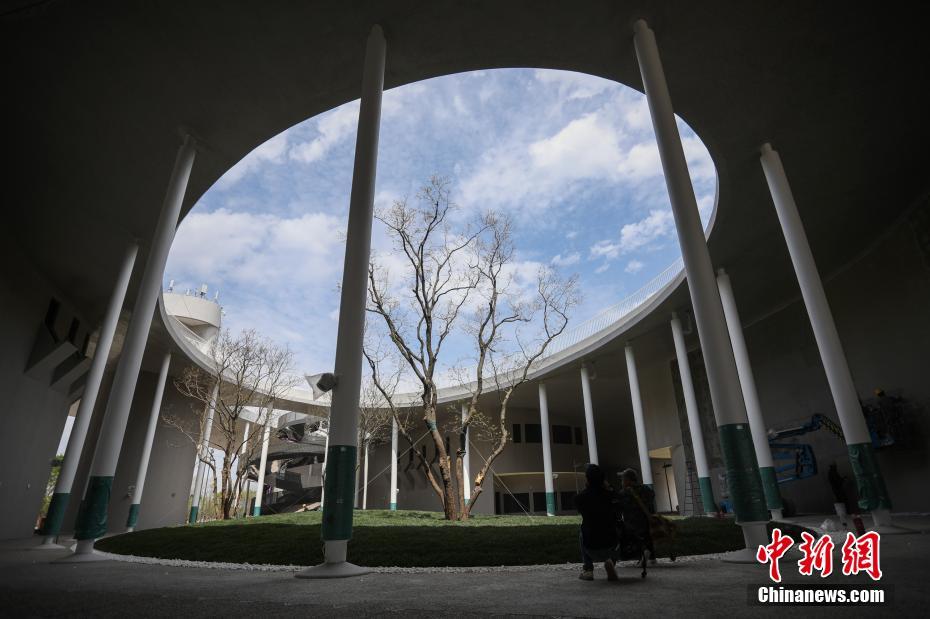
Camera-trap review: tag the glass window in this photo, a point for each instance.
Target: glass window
(517, 434)
(516, 503)
(579, 437)
(562, 435)
(539, 502)
(533, 432)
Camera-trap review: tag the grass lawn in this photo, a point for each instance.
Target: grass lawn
(401, 538)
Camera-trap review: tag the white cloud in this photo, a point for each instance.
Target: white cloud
(637, 235)
(254, 249)
(634, 266)
(332, 127)
(573, 85)
(657, 224)
(564, 261)
(271, 151)
(602, 268)
(605, 249)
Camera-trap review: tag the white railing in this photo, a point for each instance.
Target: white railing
(615, 315)
(608, 319)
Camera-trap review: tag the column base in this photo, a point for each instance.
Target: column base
(755, 534)
(49, 544)
(333, 570)
(335, 564)
(83, 553)
(881, 523)
(130, 529)
(776, 514)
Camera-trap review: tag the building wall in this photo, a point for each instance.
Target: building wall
(167, 486)
(880, 306)
(33, 415)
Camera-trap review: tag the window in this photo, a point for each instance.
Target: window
(578, 437)
(51, 315)
(517, 434)
(516, 503)
(567, 499)
(539, 502)
(562, 435)
(497, 503)
(533, 432)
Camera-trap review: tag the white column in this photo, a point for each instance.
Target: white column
(393, 502)
(325, 457)
(747, 381)
(203, 451)
(262, 463)
(466, 461)
(872, 491)
(694, 421)
(365, 487)
(588, 415)
(639, 421)
(547, 450)
(92, 522)
(722, 378)
(147, 445)
(337, 509)
(62, 494)
(243, 466)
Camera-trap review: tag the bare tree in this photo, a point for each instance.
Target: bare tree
(447, 275)
(252, 372)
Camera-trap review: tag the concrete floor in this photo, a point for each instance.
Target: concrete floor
(30, 585)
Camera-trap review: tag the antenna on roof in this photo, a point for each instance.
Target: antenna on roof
(171, 286)
(203, 290)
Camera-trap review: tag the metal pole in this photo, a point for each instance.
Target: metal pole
(547, 450)
(340, 461)
(743, 479)
(243, 466)
(203, 451)
(466, 462)
(588, 414)
(92, 520)
(694, 421)
(260, 489)
(62, 494)
(147, 445)
(747, 382)
(638, 418)
(870, 484)
(393, 503)
(365, 487)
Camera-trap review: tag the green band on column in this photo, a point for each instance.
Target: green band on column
(707, 495)
(869, 481)
(92, 519)
(393, 507)
(56, 514)
(467, 501)
(550, 503)
(133, 515)
(339, 493)
(770, 487)
(743, 481)
(256, 510)
(192, 518)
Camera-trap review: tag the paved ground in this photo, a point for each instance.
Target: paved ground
(31, 585)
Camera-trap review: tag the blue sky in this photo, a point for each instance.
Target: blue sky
(570, 157)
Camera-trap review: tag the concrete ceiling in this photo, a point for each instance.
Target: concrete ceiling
(96, 93)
